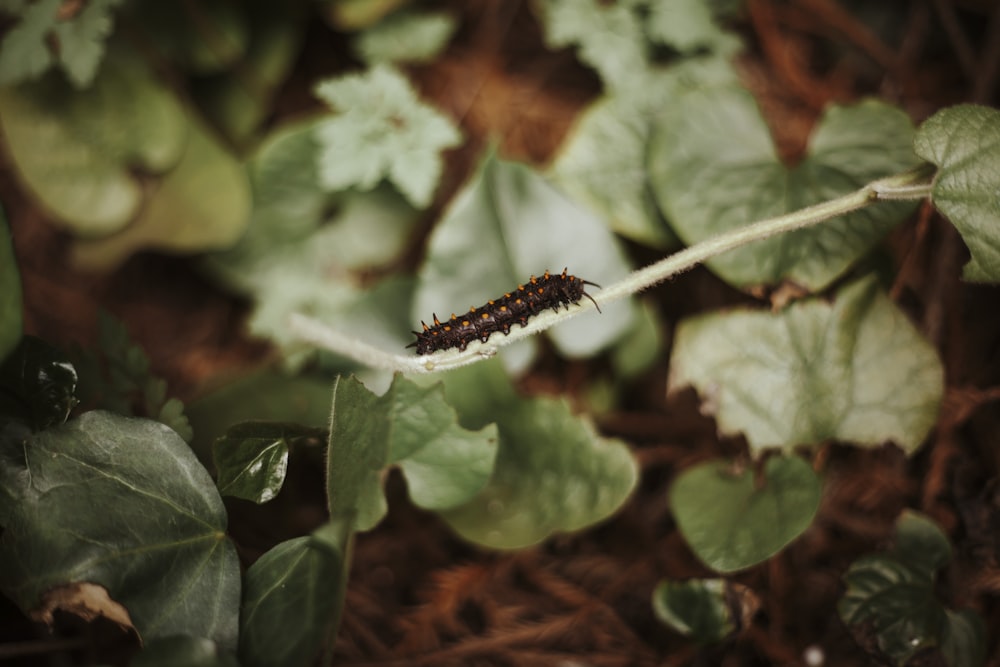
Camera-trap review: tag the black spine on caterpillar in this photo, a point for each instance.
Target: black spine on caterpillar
(548, 291)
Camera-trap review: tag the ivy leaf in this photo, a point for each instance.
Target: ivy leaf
(406, 37)
(293, 597)
(76, 151)
(554, 473)
(506, 225)
(731, 522)
(203, 203)
(410, 427)
(714, 168)
(162, 553)
(26, 55)
(252, 458)
(10, 292)
(381, 130)
(855, 370)
(892, 594)
(964, 142)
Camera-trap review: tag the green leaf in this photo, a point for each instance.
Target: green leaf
(554, 473)
(686, 25)
(26, 53)
(413, 428)
(183, 650)
(252, 458)
(81, 40)
(964, 142)
(160, 549)
(714, 169)
(507, 224)
(292, 599)
(733, 522)
(76, 151)
(892, 595)
(359, 14)
(856, 371)
(406, 37)
(37, 385)
(203, 203)
(695, 608)
(10, 292)
(608, 37)
(382, 130)
(603, 164)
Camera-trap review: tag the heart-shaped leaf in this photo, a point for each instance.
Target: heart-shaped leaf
(855, 370)
(964, 142)
(292, 599)
(732, 522)
(713, 168)
(413, 428)
(160, 549)
(554, 473)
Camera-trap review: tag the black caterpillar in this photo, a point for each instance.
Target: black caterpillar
(549, 291)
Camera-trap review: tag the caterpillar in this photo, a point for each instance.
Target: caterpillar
(548, 291)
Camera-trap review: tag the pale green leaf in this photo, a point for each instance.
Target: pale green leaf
(964, 142)
(161, 550)
(507, 224)
(293, 597)
(360, 14)
(76, 151)
(553, 474)
(686, 25)
(603, 164)
(406, 37)
(81, 40)
(892, 596)
(203, 203)
(24, 54)
(714, 169)
(732, 522)
(410, 427)
(381, 129)
(855, 370)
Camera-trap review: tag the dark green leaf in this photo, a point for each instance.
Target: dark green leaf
(554, 473)
(183, 651)
(696, 608)
(855, 370)
(252, 458)
(893, 595)
(412, 427)
(37, 385)
(158, 545)
(714, 168)
(964, 142)
(732, 522)
(292, 599)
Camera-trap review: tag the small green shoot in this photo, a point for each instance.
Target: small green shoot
(251, 459)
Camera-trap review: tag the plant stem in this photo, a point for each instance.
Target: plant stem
(909, 185)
